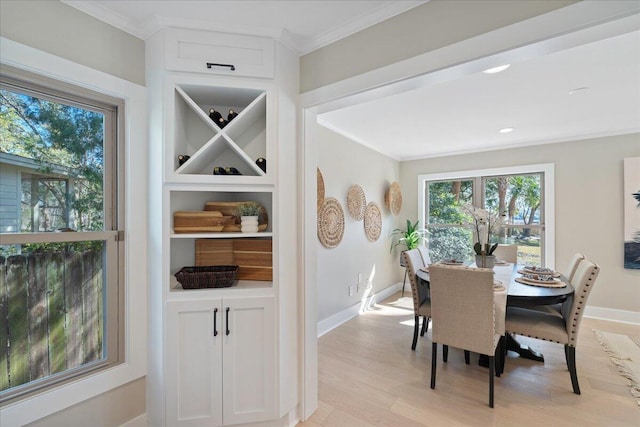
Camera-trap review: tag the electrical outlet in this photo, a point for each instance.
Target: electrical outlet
(350, 290)
(359, 278)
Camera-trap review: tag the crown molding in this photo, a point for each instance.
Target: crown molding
(297, 44)
(360, 23)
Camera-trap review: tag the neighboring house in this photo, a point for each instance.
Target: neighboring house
(32, 199)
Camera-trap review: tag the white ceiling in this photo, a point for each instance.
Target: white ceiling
(445, 115)
(465, 114)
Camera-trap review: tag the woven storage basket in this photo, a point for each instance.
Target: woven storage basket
(216, 276)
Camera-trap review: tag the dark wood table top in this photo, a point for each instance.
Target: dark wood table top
(521, 295)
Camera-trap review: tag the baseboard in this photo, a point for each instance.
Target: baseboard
(139, 421)
(349, 313)
(613, 315)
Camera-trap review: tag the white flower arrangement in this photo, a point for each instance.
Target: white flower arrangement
(484, 224)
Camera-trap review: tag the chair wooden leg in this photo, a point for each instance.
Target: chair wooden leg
(416, 325)
(425, 325)
(434, 356)
(499, 354)
(406, 269)
(467, 356)
(445, 353)
(503, 355)
(491, 374)
(570, 352)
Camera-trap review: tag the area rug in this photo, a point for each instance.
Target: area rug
(624, 351)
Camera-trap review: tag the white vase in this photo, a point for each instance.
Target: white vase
(249, 224)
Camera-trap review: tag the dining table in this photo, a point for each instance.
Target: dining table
(518, 294)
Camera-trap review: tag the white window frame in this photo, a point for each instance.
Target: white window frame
(548, 171)
(135, 272)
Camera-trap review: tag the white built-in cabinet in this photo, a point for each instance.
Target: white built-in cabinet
(215, 355)
(220, 358)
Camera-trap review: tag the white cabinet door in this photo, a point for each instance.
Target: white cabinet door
(249, 360)
(194, 363)
(220, 367)
(219, 53)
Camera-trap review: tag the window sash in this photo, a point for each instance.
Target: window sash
(113, 219)
(478, 198)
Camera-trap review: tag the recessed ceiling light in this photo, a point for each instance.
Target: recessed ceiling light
(578, 89)
(497, 69)
(506, 130)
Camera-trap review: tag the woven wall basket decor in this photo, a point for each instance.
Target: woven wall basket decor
(320, 189)
(330, 223)
(393, 198)
(356, 202)
(373, 222)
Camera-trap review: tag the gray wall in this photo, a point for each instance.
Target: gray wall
(425, 28)
(54, 27)
(344, 163)
(588, 204)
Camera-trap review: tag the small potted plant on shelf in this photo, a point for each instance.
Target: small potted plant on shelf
(411, 238)
(248, 213)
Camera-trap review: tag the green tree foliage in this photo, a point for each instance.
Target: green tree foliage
(56, 134)
(444, 201)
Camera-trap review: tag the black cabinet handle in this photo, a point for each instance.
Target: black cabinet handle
(227, 322)
(215, 322)
(213, 64)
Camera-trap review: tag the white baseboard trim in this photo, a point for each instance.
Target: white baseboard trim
(139, 421)
(349, 313)
(613, 315)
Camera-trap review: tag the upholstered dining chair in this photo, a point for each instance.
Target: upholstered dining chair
(424, 253)
(573, 265)
(508, 253)
(463, 313)
(420, 294)
(552, 327)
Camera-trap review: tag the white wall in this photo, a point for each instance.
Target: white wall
(588, 205)
(344, 163)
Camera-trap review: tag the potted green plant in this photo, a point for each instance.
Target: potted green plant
(411, 237)
(484, 224)
(248, 213)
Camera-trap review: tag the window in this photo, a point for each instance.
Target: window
(516, 193)
(60, 253)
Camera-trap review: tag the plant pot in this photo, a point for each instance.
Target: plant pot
(249, 224)
(485, 261)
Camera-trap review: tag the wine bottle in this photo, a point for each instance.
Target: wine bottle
(215, 115)
(222, 122)
(232, 115)
(183, 158)
(262, 164)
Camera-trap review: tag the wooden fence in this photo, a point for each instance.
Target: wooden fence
(51, 314)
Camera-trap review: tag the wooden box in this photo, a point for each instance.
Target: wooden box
(253, 256)
(200, 221)
(230, 209)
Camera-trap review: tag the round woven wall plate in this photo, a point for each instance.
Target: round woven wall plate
(320, 189)
(356, 202)
(393, 198)
(373, 222)
(330, 223)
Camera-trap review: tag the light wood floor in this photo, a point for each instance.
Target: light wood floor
(368, 376)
